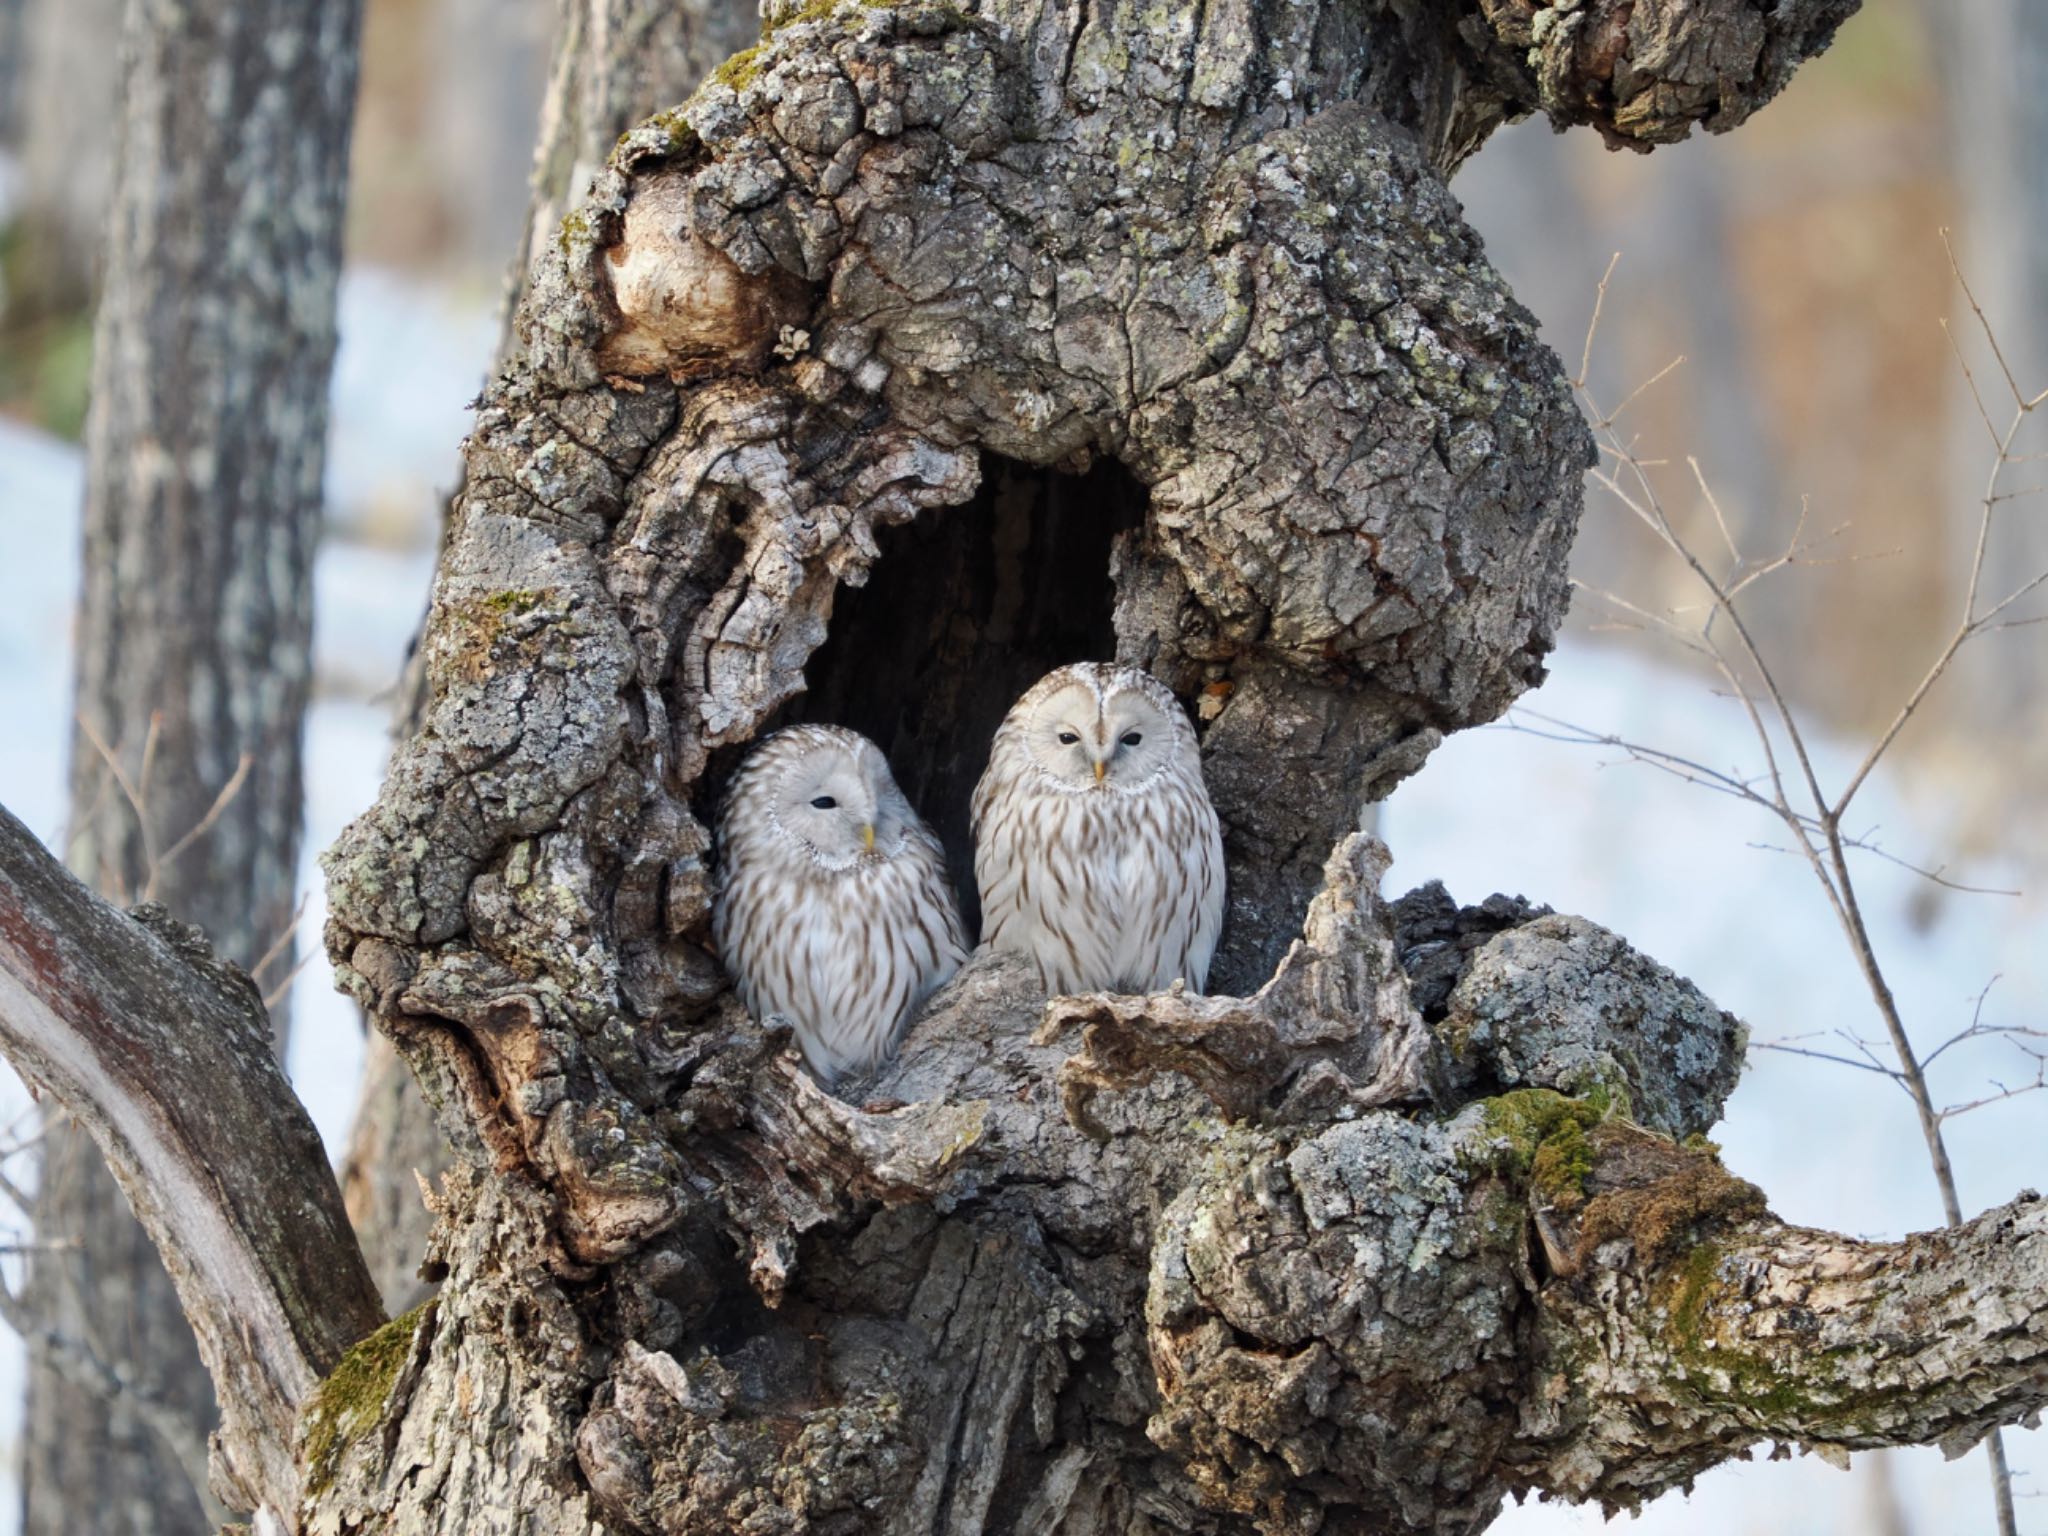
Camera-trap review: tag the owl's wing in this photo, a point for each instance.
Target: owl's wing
(1202, 856)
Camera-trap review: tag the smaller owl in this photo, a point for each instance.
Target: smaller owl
(1095, 846)
(833, 906)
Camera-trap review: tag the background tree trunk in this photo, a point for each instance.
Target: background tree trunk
(205, 448)
(62, 88)
(1996, 58)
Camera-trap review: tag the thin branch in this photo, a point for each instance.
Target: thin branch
(1990, 335)
(284, 939)
(205, 824)
(1650, 383)
(278, 993)
(1784, 1049)
(128, 788)
(1593, 325)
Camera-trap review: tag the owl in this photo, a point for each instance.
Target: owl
(833, 907)
(1095, 846)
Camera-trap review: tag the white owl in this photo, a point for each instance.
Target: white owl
(1095, 846)
(833, 906)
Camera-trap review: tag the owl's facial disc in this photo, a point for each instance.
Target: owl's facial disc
(1083, 744)
(1139, 739)
(843, 809)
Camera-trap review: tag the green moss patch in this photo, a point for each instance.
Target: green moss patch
(351, 1401)
(1659, 1194)
(1541, 1141)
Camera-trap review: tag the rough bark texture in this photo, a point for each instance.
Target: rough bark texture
(1413, 1214)
(615, 63)
(162, 1054)
(205, 445)
(1074, 329)
(395, 1155)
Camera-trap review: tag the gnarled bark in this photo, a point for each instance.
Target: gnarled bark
(1288, 1258)
(615, 62)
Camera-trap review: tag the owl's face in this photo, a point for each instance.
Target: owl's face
(840, 805)
(1092, 739)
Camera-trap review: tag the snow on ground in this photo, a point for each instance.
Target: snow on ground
(1666, 865)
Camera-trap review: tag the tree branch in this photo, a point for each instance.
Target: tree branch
(1763, 1331)
(163, 1054)
(1643, 72)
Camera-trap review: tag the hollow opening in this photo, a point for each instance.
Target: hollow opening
(964, 610)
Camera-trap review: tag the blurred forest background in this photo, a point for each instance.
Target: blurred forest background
(1796, 265)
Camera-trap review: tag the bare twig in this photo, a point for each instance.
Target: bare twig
(200, 828)
(282, 942)
(129, 789)
(1792, 790)
(277, 993)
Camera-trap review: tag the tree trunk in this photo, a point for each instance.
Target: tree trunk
(58, 89)
(1997, 64)
(615, 62)
(203, 502)
(1040, 330)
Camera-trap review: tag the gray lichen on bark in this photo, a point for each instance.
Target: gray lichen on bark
(1287, 1258)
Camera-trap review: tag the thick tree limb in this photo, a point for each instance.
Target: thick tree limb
(1761, 1331)
(162, 1053)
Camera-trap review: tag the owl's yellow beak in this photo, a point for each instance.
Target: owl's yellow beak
(1101, 769)
(867, 836)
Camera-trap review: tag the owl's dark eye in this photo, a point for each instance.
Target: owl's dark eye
(823, 803)
(1132, 738)
(1068, 738)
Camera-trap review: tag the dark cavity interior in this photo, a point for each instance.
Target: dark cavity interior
(965, 609)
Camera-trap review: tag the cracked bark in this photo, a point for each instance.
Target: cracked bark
(205, 442)
(898, 314)
(614, 63)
